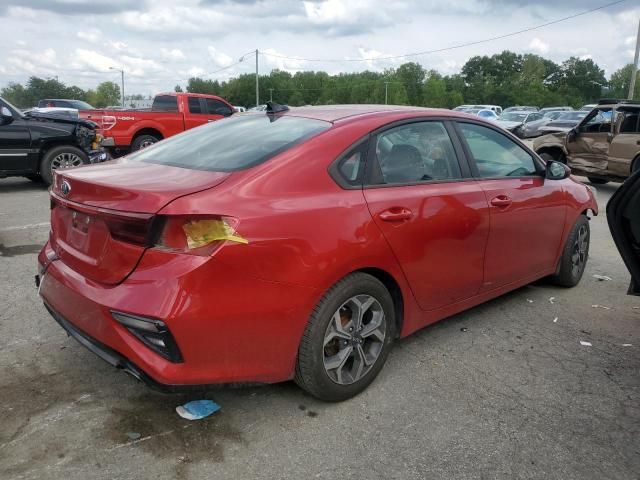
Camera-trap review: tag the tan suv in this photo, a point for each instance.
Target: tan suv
(598, 148)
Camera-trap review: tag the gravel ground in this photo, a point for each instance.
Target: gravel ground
(498, 392)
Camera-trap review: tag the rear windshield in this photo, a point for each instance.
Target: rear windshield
(232, 144)
(165, 103)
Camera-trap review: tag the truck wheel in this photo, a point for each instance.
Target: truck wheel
(143, 141)
(65, 156)
(597, 181)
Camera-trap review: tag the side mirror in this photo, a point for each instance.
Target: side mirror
(5, 116)
(556, 171)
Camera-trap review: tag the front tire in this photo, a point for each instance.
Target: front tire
(347, 339)
(574, 255)
(65, 156)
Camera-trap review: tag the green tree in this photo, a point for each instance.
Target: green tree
(620, 81)
(412, 75)
(107, 93)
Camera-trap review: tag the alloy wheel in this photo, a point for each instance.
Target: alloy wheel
(579, 252)
(354, 339)
(65, 160)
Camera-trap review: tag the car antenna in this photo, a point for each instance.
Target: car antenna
(273, 107)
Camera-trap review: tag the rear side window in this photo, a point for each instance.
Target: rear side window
(194, 105)
(630, 122)
(165, 103)
(496, 155)
(415, 152)
(216, 107)
(232, 144)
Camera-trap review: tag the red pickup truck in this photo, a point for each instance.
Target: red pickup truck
(171, 113)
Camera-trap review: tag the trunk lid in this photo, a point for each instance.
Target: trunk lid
(101, 215)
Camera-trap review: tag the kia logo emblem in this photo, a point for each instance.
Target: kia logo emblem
(65, 188)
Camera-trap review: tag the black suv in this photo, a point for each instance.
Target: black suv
(33, 145)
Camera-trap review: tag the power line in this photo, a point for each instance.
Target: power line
(444, 49)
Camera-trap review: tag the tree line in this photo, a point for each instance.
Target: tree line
(503, 79)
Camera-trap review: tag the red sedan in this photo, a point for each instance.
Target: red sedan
(301, 243)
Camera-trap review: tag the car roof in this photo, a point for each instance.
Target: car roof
(334, 113)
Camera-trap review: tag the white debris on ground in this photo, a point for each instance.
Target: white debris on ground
(585, 344)
(602, 278)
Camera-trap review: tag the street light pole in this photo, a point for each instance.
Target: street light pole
(122, 75)
(634, 71)
(257, 87)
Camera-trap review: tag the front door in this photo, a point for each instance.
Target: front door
(527, 212)
(15, 141)
(433, 215)
(588, 147)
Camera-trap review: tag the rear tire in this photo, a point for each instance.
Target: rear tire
(143, 141)
(342, 352)
(574, 255)
(597, 181)
(65, 156)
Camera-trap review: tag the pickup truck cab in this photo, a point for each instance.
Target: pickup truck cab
(170, 114)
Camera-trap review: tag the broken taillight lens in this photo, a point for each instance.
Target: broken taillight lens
(195, 235)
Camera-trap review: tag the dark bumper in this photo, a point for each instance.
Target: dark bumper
(116, 359)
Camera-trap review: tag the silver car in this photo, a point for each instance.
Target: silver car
(524, 124)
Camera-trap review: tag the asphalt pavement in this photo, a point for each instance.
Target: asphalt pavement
(503, 391)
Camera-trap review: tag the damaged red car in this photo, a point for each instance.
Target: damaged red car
(301, 243)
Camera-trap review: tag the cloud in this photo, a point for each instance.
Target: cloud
(219, 59)
(76, 7)
(91, 35)
(539, 46)
(174, 54)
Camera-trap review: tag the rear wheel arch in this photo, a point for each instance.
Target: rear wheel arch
(393, 288)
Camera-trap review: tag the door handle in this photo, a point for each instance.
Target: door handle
(501, 201)
(396, 214)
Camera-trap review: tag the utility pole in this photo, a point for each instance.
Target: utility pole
(270, 94)
(257, 88)
(386, 96)
(122, 75)
(634, 71)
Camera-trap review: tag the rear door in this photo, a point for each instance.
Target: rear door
(625, 145)
(433, 215)
(15, 144)
(588, 147)
(527, 212)
(196, 113)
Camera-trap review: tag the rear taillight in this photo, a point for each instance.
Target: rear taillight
(195, 235)
(128, 229)
(108, 122)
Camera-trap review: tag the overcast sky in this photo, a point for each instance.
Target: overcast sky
(160, 43)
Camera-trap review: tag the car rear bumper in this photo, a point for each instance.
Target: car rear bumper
(230, 328)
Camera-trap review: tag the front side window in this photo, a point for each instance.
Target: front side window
(597, 121)
(216, 107)
(413, 153)
(495, 154)
(232, 144)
